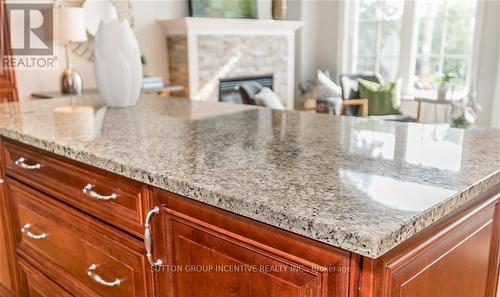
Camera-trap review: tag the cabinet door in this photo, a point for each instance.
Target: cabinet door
(463, 262)
(8, 276)
(38, 284)
(209, 252)
(5, 279)
(222, 266)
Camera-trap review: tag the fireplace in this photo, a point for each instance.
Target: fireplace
(204, 52)
(229, 87)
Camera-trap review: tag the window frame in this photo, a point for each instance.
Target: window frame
(379, 23)
(408, 48)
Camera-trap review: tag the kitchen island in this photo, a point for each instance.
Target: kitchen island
(234, 200)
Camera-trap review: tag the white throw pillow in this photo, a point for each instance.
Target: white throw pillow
(266, 97)
(325, 80)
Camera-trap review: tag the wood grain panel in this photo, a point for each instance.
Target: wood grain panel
(493, 289)
(65, 180)
(265, 261)
(5, 279)
(207, 258)
(74, 242)
(462, 269)
(455, 257)
(9, 274)
(38, 284)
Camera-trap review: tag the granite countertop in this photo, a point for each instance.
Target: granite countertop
(361, 185)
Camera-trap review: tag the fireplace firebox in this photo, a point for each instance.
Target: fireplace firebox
(229, 87)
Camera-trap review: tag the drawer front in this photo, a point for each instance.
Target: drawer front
(114, 199)
(86, 258)
(39, 285)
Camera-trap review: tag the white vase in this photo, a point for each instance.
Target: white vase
(118, 68)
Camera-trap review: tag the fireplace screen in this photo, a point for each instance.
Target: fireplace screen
(229, 87)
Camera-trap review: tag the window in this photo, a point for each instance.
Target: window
(444, 44)
(437, 39)
(378, 42)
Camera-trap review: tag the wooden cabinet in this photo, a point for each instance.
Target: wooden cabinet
(8, 272)
(112, 198)
(466, 247)
(8, 91)
(86, 257)
(6, 253)
(38, 284)
(226, 255)
(456, 257)
(55, 233)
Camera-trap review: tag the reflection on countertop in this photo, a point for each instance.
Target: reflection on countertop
(78, 121)
(362, 185)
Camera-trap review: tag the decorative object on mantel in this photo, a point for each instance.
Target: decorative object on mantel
(118, 66)
(234, 9)
(95, 11)
(71, 29)
(280, 8)
(464, 112)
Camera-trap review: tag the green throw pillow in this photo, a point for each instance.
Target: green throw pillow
(382, 99)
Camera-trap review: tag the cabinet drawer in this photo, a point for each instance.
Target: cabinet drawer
(39, 285)
(86, 257)
(122, 201)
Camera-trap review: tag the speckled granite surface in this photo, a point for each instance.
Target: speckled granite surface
(361, 185)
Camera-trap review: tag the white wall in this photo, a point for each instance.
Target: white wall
(318, 36)
(495, 110)
(487, 68)
(317, 41)
(488, 75)
(149, 35)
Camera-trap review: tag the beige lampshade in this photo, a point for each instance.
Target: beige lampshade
(71, 24)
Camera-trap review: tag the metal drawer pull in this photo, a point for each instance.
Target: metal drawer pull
(26, 230)
(147, 237)
(98, 279)
(20, 163)
(88, 190)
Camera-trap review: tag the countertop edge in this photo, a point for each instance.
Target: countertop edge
(359, 245)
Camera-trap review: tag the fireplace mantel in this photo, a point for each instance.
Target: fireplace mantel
(202, 51)
(197, 25)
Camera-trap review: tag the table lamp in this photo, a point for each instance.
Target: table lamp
(71, 29)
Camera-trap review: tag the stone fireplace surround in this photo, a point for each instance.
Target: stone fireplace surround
(204, 50)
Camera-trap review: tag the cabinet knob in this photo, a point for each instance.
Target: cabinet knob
(88, 190)
(26, 230)
(21, 163)
(98, 279)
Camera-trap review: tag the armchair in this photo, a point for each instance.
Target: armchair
(352, 104)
